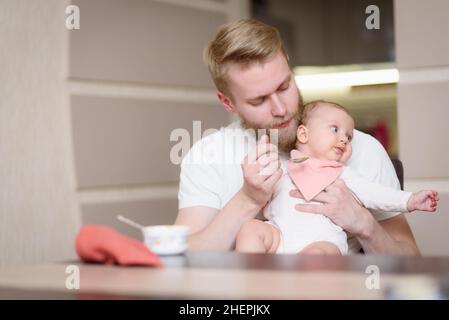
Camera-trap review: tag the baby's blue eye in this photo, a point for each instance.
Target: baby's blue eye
(334, 129)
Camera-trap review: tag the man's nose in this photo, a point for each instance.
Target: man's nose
(277, 107)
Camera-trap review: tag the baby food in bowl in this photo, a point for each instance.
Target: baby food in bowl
(166, 239)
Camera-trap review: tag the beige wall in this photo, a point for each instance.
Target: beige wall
(85, 115)
(136, 74)
(422, 50)
(38, 213)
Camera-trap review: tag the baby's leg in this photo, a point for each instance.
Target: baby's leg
(257, 237)
(321, 247)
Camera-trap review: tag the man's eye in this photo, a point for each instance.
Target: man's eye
(349, 138)
(334, 128)
(284, 87)
(256, 102)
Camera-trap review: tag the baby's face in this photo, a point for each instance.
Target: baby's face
(330, 131)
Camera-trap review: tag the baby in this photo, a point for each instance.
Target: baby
(323, 146)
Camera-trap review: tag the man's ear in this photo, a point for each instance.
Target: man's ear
(302, 134)
(226, 102)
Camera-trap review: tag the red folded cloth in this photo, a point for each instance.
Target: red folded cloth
(102, 244)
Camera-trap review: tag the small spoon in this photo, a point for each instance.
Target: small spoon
(299, 160)
(130, 222)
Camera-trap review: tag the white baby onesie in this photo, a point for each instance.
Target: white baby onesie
(299, 229)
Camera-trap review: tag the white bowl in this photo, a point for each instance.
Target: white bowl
(166, 239)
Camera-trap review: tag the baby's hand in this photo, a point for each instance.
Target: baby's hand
(425, 200)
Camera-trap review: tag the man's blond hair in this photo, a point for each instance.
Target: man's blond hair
(244, 42)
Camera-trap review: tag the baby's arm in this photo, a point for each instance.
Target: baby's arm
(378, 197)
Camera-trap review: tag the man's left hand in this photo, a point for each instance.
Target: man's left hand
(339, 205)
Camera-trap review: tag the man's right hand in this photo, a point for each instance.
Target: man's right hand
(261, 171)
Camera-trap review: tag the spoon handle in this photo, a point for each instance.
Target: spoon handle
(130, 222)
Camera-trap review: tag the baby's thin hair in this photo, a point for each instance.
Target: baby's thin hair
(313, 105)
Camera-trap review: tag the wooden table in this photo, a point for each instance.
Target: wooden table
(231, 275)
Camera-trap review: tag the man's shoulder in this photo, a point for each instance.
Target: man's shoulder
(365, 146)
(368, 154)
(227, 140)
(364, 140)
(370, 160)
(222, 134)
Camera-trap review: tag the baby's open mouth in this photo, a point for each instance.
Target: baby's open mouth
(340, 149)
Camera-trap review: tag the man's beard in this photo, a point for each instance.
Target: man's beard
(286, 137)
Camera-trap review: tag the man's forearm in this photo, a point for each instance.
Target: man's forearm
(375, 240)
(220, 234)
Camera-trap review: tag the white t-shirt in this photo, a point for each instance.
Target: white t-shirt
(211, 172)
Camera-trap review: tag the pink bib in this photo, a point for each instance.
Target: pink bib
(312, 175)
